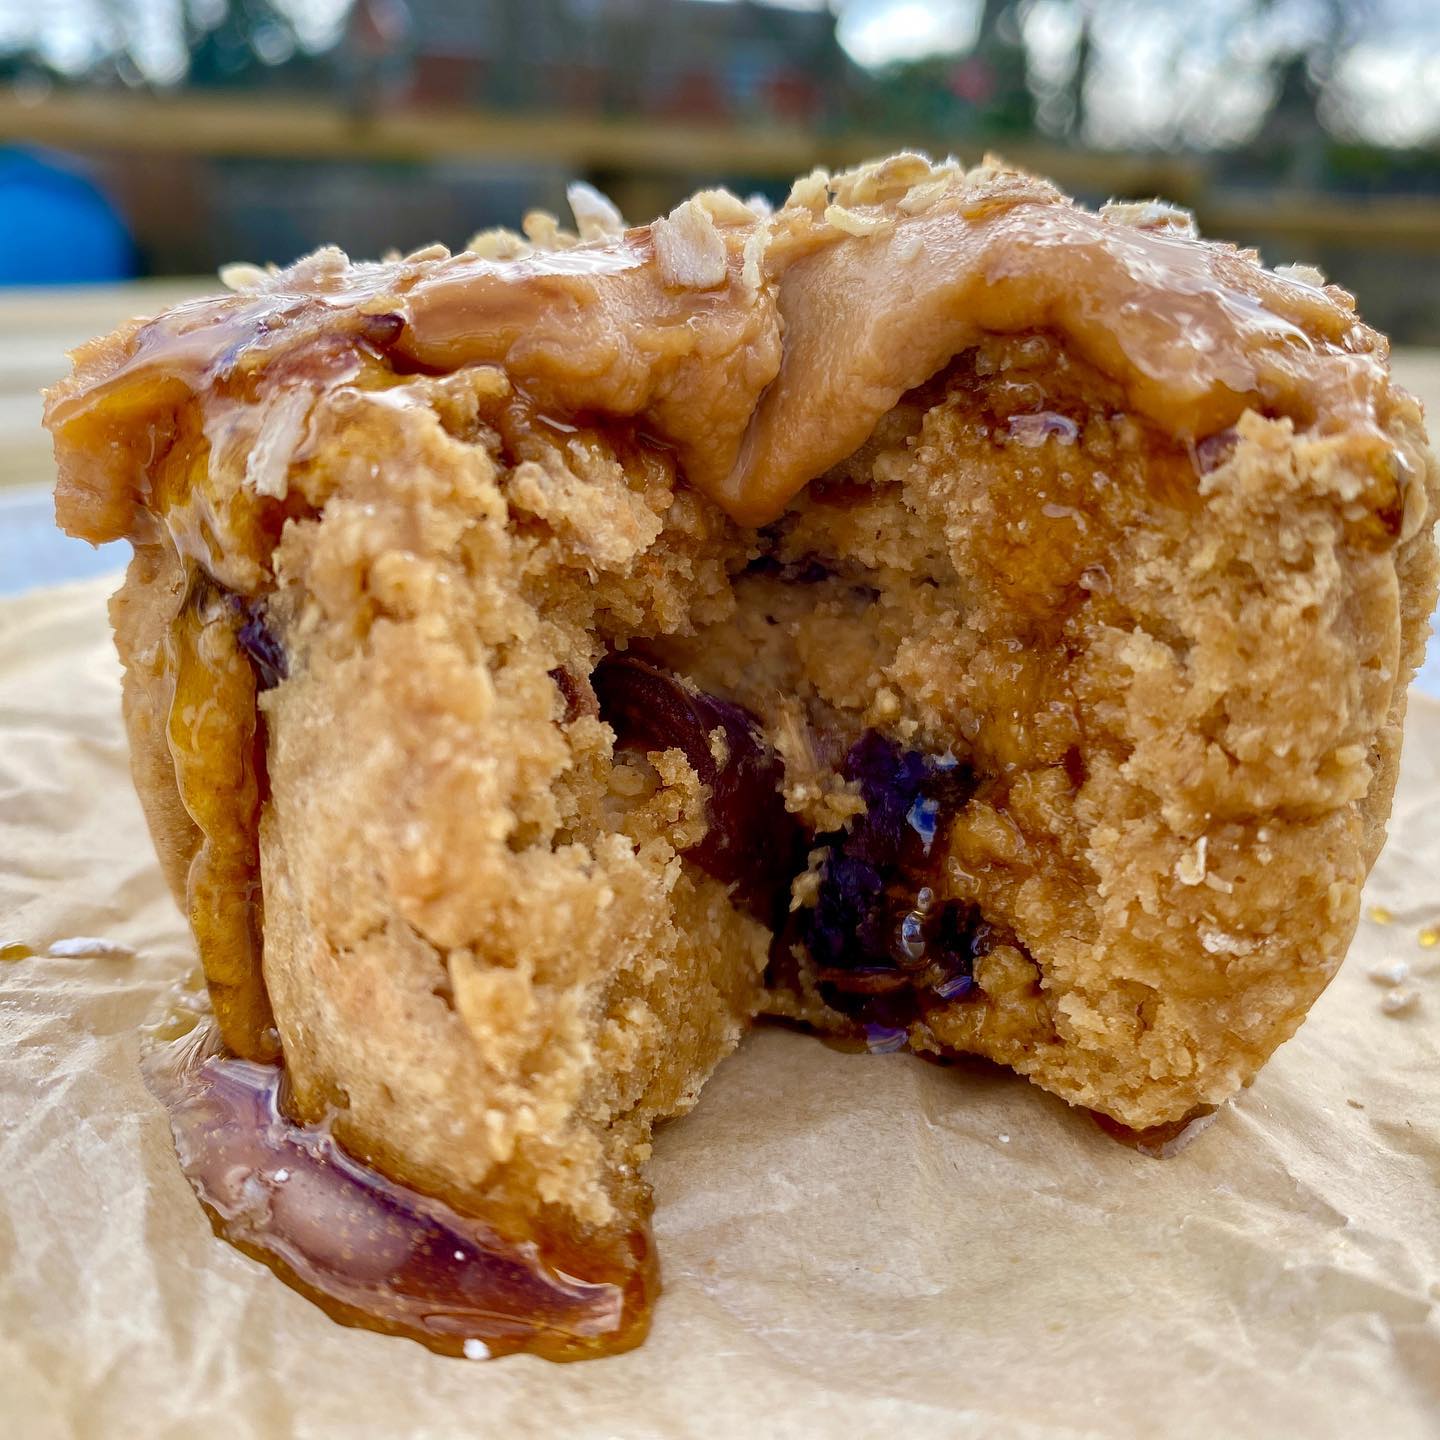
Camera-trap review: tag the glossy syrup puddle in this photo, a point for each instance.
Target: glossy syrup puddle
(1161, 1141)
(77, 947)
(369, 1251)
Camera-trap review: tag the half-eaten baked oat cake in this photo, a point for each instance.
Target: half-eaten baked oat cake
(932, 612)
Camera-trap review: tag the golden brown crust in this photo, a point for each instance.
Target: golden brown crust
(141, 612)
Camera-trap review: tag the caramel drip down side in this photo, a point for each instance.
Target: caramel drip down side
(371, 1251)
(212, 731)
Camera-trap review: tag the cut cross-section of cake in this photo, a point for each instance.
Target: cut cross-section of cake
(932, 612)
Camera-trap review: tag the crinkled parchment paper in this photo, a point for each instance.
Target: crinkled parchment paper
(851, 1245)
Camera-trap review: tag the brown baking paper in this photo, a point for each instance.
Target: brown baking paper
(851, 1245)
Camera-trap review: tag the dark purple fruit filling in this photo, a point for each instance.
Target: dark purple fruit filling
(753, 843)
(381, 331)
(259, 643)
(880, 940)
(883, 947)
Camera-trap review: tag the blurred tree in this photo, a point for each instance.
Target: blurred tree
(375, 53)
(1080, 73)
(983, 90)
(1292, 144)
(1007, 104)
(230, 41)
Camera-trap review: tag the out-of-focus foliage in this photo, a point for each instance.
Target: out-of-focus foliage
(1208, 75)
(1308, 128)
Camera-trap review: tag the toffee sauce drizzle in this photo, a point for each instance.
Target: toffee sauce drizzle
(368, 1250)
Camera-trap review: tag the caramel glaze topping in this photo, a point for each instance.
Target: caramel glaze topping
(768, 354)
(1196, 333)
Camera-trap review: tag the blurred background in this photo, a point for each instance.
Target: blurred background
(152, 140)
(165, 137)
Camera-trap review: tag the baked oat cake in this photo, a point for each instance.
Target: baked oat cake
(932, 612)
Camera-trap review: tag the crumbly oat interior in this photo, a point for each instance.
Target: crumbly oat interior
(467, 891)
(1176, 663)
(485, 958)
(1181, 694)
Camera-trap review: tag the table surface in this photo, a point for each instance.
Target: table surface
(38, 327)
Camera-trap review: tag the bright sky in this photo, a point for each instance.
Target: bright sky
(1162, 72)
(73, 34)
(878, 32)
(1199, 71)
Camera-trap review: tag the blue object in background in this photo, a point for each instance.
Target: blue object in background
(57, 227)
